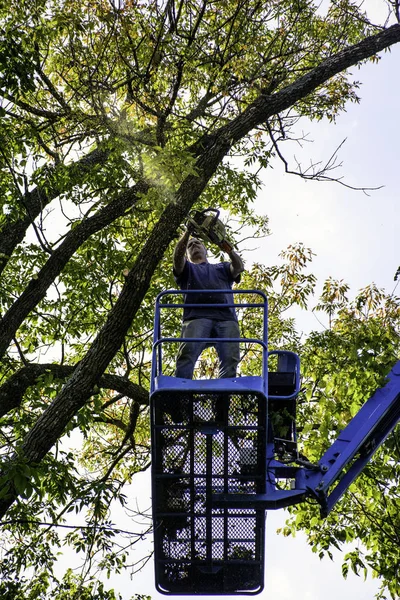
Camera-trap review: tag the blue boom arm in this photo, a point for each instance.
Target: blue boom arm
(356, 444)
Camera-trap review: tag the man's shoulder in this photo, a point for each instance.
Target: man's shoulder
(221, 266)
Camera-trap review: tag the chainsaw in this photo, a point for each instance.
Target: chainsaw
(209, 228)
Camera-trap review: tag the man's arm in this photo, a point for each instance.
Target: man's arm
(237, 265)
(179, 259)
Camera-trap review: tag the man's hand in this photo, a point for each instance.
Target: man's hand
(225, 246)
(190, 226)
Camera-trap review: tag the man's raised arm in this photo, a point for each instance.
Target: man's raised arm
(237, 265)
(179, 259)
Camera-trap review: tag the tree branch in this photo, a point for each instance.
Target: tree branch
(38, 286)
(13, 232)
(13, 390)
(319, 174)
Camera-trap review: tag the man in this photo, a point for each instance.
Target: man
(195, 272)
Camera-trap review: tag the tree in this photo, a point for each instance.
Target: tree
(342, 368)
(116, 120)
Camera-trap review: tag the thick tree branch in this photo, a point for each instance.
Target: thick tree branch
(13, 390)
(38, 286)
(13, 232)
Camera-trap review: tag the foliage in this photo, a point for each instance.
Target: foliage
(71, 588)
(342, 367)
(117, 119)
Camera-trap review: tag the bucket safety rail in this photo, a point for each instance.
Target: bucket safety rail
(159, 340)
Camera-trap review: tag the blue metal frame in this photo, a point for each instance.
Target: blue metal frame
(352, 450)
(326, 481)
(355, 445)
(252, 390)
(158, 380)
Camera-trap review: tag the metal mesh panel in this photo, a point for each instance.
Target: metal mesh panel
(207, 444)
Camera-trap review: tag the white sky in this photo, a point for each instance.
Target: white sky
(293, 571)
(356, 239)
(354, 235)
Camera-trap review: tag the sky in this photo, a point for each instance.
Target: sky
(293, 571)
(355, 238)
(354, 235)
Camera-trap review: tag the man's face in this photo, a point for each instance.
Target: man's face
(196, 251)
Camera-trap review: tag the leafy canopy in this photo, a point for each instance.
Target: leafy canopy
(117, 119)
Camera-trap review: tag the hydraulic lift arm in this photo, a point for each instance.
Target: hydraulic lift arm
(340, 464)
(356, 444)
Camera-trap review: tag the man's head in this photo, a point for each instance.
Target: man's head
(196, 251)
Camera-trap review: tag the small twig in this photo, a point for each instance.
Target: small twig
(396, 8)
(320, 174)
(84, 527)
(21, 354)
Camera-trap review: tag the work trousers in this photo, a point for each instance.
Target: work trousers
(189, 352)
